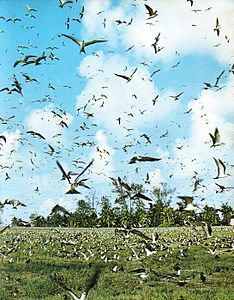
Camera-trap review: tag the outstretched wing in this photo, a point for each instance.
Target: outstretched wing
(63, 172)
(72, 38)
(94, 42)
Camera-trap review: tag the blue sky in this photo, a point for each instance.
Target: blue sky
(75, 84)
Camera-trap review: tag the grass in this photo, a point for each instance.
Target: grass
(32, 260)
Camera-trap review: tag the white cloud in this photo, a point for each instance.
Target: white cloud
(182, 29)
(131, 102)
(103, 158)
(45, 122)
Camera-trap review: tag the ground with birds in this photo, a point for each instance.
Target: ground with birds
(166, 263)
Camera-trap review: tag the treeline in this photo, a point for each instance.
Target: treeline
(128, 211)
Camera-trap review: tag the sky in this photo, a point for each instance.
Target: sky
(85, 111)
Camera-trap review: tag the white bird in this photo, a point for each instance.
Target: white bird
(221, 169)
(215, 138)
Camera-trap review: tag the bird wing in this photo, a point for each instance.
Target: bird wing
(122, 76)
(36, 134)
(150, 10)
(133, 72)
(86, 168)
(94, 42)
(72, 38)
(63, 172)
(213, 138)
(142, 196)
(186, 199)
(217, 135)
(92, 281)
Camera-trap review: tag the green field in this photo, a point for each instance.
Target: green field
(36, 263)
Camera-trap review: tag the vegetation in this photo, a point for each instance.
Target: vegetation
(129, 212)
(34, 262)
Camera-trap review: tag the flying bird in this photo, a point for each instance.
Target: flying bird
(91, 283)
(217, 27)
(134, 159)
(77, 182)
(23, 60)
(221, 169)
(128, 78)
(215, 138)
(82, 44)
(177, 96)
(64, 2)
(152, 13)
(36, 134)
(188, 203)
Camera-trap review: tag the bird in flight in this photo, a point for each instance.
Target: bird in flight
(152, 13)
(128, 78)
(217, 27)
(77, 182)
(63, 2)
(221, 169)
(215, 138)
(91, 283)
(177, 96)
(188, 203)
(82, 44)
(23, 60)
(134, 159)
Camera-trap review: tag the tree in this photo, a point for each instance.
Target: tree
(106, 218)
(210, 215)
(84, 215)
(159, 212)
(37, 220)
(226, 212)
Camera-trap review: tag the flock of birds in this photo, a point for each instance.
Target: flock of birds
(136, 253)
(75, 179)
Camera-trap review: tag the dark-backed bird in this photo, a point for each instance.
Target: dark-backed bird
(134, 159)
(128, 78)
(152, 13)
(82, 44)
(64, 2)
(215, 138)
(221, 169)
(36, 134)
(217, 27)
(23, 60)
(177, 96)
(91, 283)
(188, 203)
(77, 182)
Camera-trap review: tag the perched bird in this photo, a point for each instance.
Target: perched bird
(215, 138)
(128, 78)
(83, 44)
(203, 277)
(152, 13)
(221, 169)
(134, 159)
